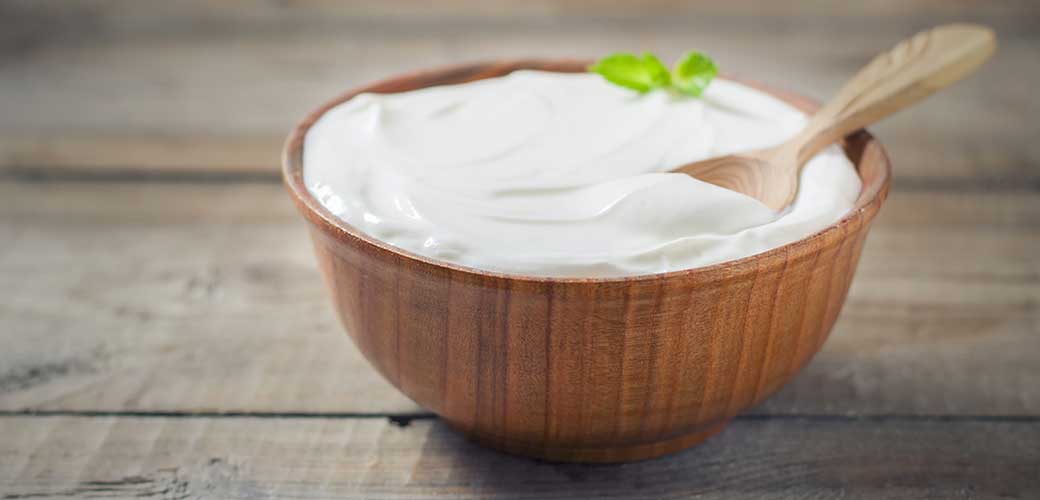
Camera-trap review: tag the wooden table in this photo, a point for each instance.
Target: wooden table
(164, 333)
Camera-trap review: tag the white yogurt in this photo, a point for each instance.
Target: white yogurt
(553, 174)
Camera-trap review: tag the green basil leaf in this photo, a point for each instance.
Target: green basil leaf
(638, 73)
(693, 73)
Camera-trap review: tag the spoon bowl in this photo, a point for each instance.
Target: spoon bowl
(754, 173)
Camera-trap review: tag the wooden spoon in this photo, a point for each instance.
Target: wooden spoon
(894, 80)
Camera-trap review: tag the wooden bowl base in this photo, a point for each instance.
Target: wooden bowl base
(613, 454)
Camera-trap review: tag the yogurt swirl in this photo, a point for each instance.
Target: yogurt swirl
(554, 174)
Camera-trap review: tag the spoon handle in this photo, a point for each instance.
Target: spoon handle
(911, 71)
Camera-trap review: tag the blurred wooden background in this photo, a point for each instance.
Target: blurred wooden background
(164, 332)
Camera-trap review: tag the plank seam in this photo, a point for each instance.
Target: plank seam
(404, 419)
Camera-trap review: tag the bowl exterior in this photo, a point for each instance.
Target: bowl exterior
(593, 370)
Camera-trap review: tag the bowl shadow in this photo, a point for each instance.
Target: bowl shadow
(449, 462)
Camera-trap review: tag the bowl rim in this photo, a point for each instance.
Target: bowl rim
(867, 202)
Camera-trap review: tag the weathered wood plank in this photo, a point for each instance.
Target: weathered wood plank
(106, 86)
(238, 12)
(61, 457)
(205, 297)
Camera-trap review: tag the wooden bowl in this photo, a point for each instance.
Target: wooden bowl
(588, 370)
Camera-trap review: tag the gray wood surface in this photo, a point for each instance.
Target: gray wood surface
(164, 332)
(231, 458)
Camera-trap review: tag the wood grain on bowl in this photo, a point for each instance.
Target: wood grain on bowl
(586, 369)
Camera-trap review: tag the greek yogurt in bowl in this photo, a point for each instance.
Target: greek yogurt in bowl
(563, 174)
